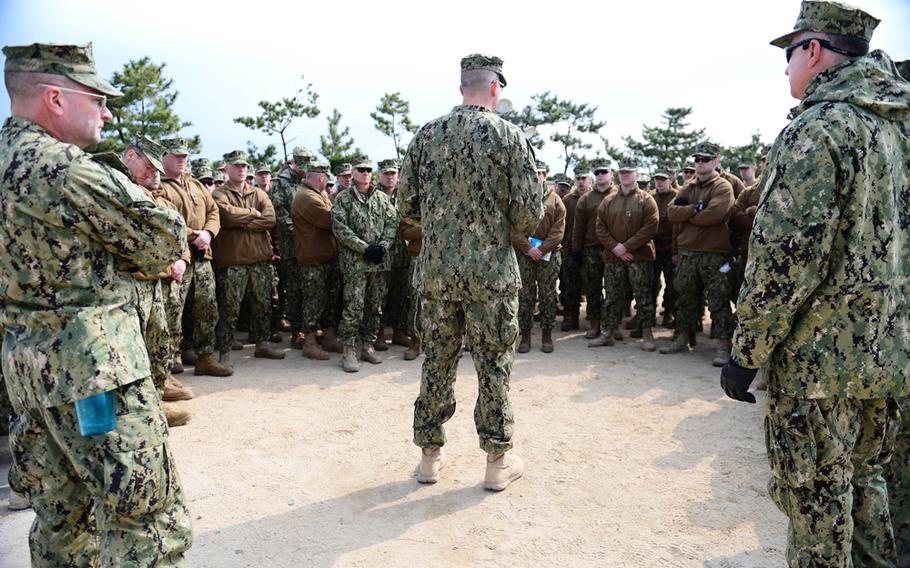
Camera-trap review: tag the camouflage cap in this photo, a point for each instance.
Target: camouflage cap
(362, 162)
(628, 165)
(690, 165)
(746, 163)
(74, 62)
(829, 17)
(707, 150)
(152, 150)
(387, 166)
(237, 158)
(644, 178)
(204, 174)
(903, 67)
(317, 167)
(218, 175)
(301, 155)
(601, 165)
(542, 166)
(344, 169)
(201, 163)
(563, 179)
(177, 146)
(485, 62)
(218, 165)
(582, 171)
(330, 179)
(263, 169)
(662, 171)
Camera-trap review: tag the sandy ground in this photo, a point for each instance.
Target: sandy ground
(633, 459)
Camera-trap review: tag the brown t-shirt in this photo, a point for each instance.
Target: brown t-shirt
(706, 230)
(195, 204)
(247, 216)
(311, 212)
(630, 220)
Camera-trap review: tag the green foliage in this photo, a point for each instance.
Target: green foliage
(338, 145)
(732, 156)
(268, 155)
(528, 119)
(276, 117)
(670, 143)
(391, 118)
(145, 109)
(572, 121)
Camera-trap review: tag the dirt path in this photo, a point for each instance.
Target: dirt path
(633, 459)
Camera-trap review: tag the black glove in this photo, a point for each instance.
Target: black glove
(735, 381)
(680, 201)
(578, 257)
(700, 206)
(373, 254)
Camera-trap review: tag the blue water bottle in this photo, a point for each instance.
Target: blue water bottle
(96, 414)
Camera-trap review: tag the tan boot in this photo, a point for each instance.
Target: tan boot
(177, 365)
(603, 340)
(647, 343)
(502, 470)
(330, 340)
(380, 344)
(399, 337)
(189, 357)
(297, 340)
(208, 366)
(594, 331)
(368, 354)
(174, 390)
(413, 351)
(524, 344)
(680, 344)
(284, 325)
(546, 340)
(432, 460)
(177, 414)
(263, 351)
(722, 355)
(312, 350)
(349, 361)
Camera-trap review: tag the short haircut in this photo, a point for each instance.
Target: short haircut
(23, 84)
(856, 46)
(477, 80)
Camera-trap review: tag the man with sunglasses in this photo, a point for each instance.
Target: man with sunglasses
(823, 309)
(70, 225)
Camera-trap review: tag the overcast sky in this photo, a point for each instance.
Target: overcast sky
(632, 58)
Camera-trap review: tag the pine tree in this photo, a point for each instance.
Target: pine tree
(391, 118)
(337, 146)
(670, 143)
(276, 117)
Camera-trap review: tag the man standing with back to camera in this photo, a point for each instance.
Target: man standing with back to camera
(467, 273)
(823, 309)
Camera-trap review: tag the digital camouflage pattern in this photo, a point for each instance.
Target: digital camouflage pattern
(357, 224)
(128, 506)
(232, 284)
(361, 312)
(468, 179)
(624, 280)
(811, 444)
(151, 300)
(196, 295)
(321, 299)
(284, 188)
(699, 279)
(897, 474)
(593, 267)
(823, 307)
(491, 323)
(69, 309)
(830, 17)
(539, 277)
(75, 62)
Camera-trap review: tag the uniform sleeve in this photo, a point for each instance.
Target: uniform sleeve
(343, 233)
(718, 207)
(212, 214)
(739, 219)
(649, 222)
(123, 219)
(231, 215)
(317, 213)
(680, 213)
(580, 223)
(791, 242)
(267, 219)
(519, 242)
(409, 232)
(526, 195)
(408, 197)
(390, 224)
(554, 238)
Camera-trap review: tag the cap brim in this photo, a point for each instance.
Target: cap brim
(393, 170)
(785, 40)
(155, 163)
(240, 163)
(95, 82)
(704, 155)
(502, 78)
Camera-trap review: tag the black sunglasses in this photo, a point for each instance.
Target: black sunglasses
(363, 170)
(208, 182)
(788, 51)
(598, 172)
(702, 159)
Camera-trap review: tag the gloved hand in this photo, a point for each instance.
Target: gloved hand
(735, 381)
(374, 253)
(680, 201)
(700, 206)
(578, 257)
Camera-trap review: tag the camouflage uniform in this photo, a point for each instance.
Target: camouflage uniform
(284, 187)
(823, 309)
(357, 224)
(538, 279)
(469, 178)
(72, 227)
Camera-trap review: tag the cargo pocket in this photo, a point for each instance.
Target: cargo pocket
(507, 322)
(791, 441)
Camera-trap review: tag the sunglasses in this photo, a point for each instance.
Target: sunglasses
(208, 183)
(101, 98)
(363, 170)
(599, 172)
(788, 51)
(702, 160)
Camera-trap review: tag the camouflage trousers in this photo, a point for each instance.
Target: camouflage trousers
(622, 280)
(361, 313)
(395, 308)
(196, 293)
(700, 272)
(413, 321)
(152, 312)
(570, 283)
(826, 458)
(897, 473)
(663, 265)
(233, 284)
(108, 500)
(539, 277)
(594, 274)
(321, 296)
(290, 294)
(492, 326)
